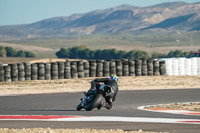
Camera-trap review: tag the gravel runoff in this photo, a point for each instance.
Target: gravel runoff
(195, 106)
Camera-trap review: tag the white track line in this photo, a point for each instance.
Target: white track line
(97, 119)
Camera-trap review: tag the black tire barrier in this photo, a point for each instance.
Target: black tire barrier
(119, 67)
(138, 67)
(125, 68)
(1, 73)
(74, 72)
(14, 72)
(80, 68)
(7, 73)
(47, 67)
(41, 71)
(131, 68)
(99, 72)
(92, 69)
(144, 67)
(150, 67)
(86, 67)
(54, 70)
(112, 67)
(21, 72)
(67, 70)
(162, 68)
(34, 72)
(156, 69)
(61, 67)
(27, 67)
(106, 69)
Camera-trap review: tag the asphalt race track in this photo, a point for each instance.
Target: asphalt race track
(64, 104)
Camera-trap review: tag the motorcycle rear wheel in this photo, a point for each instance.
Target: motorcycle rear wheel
(94, 103)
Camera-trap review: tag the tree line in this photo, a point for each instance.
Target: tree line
(11, 52)
(82, 52)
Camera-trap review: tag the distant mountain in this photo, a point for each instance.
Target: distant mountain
(171, 16)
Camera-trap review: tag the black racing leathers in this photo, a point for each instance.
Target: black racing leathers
(108, 82)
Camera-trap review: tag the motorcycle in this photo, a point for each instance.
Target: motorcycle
(94, 99)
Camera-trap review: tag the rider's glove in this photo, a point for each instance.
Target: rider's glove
(107, 90)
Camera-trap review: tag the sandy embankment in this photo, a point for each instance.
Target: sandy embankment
(77, 85)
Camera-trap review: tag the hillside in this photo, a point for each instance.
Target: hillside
(122, 19)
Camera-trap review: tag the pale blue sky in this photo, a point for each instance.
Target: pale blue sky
(29, 11)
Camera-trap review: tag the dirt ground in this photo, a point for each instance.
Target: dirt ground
(80, 85)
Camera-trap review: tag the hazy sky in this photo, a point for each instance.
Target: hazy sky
(29, 11)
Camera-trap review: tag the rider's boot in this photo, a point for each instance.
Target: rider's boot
(100, 106)
(108, 106)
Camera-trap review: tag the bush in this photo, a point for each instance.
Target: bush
(83, 52)
(10, 52)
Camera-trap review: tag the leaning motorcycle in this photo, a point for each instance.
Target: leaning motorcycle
(94, 98)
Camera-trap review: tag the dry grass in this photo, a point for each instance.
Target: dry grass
(26, 47)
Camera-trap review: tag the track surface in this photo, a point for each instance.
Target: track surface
(125, 105)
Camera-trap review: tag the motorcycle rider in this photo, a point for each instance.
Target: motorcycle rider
(110, 87)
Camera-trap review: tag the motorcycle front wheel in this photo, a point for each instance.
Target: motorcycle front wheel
(79, 107)
(94, 103)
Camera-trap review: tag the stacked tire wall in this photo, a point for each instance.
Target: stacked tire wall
(182, 66)
(80, 69)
